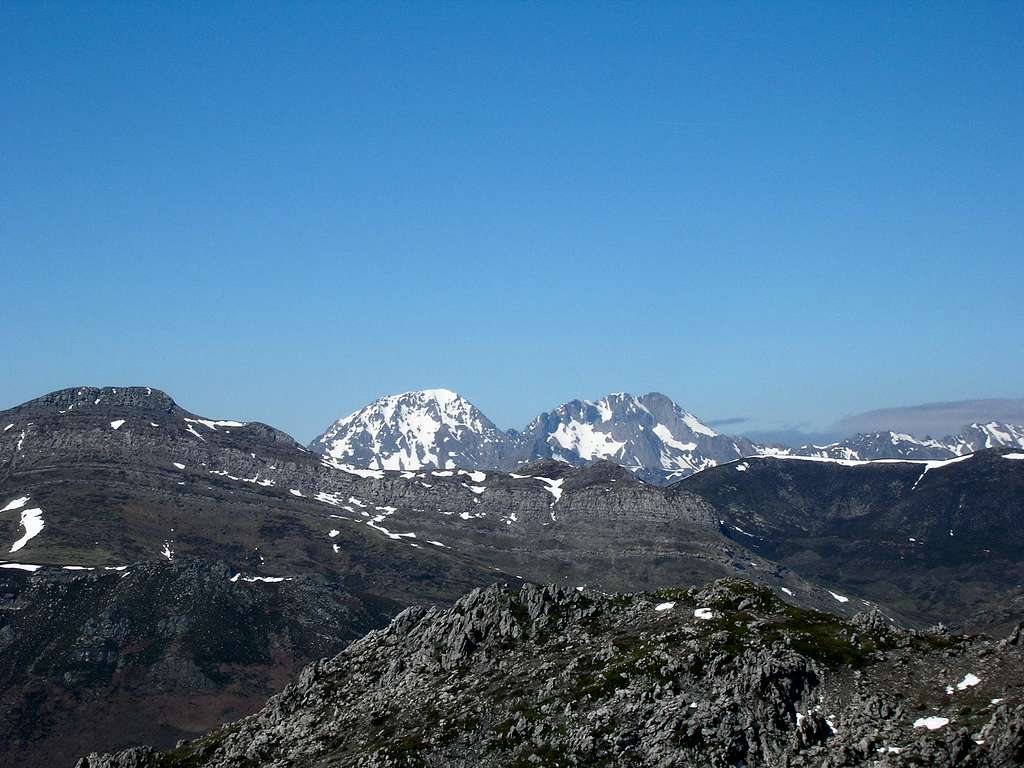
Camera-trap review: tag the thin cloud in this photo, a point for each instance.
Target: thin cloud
(728, 420)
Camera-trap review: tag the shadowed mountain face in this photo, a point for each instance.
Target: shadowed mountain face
(190, 525)
(154, 653)
(931, 539)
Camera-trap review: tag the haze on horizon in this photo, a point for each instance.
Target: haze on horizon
(785, 215)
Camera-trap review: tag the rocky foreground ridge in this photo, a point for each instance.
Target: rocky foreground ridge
(724, 675)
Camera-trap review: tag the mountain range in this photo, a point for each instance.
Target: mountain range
(650, 435)
(165, 572)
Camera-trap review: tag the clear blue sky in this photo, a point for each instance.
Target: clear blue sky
(281, 211)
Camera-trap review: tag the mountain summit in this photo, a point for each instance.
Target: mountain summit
(650, 435)
(434, 428)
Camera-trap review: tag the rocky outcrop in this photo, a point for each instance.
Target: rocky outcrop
(721, 676)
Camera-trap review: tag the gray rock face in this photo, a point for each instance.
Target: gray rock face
(722, 676)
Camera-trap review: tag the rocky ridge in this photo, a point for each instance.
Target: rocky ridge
(724, 675)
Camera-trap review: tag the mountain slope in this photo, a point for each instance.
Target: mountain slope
(727, 675)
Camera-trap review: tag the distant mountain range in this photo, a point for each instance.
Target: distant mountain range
(650, 435)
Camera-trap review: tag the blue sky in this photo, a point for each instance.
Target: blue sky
(281, 211)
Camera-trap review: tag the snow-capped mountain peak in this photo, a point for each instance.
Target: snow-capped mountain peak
(898, 445)
(649, 435)
(413, 430)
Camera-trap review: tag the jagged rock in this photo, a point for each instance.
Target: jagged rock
(548, 676)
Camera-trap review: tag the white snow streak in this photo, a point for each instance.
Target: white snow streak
(32, 522)
(18, 503)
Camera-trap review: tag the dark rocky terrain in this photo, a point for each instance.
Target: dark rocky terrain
(726, 675)
(155, 652)
(939, 542)
(220, 524)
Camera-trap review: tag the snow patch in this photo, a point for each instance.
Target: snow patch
(32, 522)
(931, 723)
(267, 579)
(970, 680)
(116, 424)
(840, 598)
(214, 424)
(586, 441)
(664, 606)
(703, 614)
(554, 486)
(17, 503)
